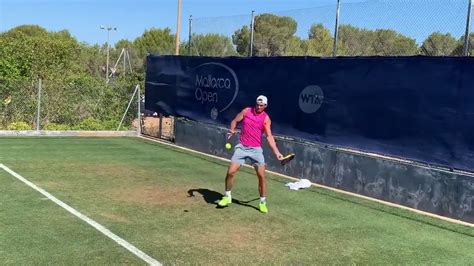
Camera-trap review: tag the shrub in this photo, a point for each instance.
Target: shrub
(111, 124)
(90, 124)
(54, 126)
(19, 126)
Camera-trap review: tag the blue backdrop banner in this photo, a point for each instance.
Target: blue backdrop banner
(418, 108)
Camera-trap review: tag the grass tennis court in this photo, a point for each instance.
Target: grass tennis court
(163, 201)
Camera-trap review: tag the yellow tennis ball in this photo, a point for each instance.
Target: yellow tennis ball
(7, 100)
(228, 146)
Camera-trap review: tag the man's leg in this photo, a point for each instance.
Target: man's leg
(229, 183)
(262, 188)
(259, 165)
(229, 179)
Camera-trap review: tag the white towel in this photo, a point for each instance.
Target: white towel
(302, 183)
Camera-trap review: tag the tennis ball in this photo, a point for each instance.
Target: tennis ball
(228, 146)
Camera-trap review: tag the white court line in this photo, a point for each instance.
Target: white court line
(86, 219)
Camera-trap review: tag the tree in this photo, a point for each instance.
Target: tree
(123, 43)
(319, 41)
(73, 87)
(295, 46)
(459, 50)
(390, 42)
(36, 53)
(91, 59)
(28, 30)
(211, 45)
(354, 41)
(272, 35)
(9, 68)
(155, 41)
(438, 44)
(241, 40)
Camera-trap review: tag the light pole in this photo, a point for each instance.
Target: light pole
(178, 28)
(252, 26)
(108, 28)
(336, 30)
(468, 26)
(190, 36)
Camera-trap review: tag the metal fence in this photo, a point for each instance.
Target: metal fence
(369, 28)
(40, 105)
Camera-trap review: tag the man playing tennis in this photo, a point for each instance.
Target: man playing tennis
(254, 122)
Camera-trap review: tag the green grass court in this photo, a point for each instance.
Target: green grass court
(163, 201)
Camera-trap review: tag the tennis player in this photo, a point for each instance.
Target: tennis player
(254, 122)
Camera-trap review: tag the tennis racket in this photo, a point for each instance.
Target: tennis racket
(286, 159)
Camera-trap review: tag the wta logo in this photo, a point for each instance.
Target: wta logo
(216, 87)
(311, 98)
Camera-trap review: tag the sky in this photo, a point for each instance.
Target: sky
(83, 18)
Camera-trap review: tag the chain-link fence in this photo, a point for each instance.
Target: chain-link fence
(369, 28)
(213, 36)
(43, 105)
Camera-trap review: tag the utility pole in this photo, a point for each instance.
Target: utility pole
(178, 28)
(108, 28)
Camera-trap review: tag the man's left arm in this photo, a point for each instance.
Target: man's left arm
(271, 139)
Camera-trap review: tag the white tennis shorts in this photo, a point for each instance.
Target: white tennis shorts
(253, 154)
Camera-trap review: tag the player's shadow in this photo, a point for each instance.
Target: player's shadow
(212, 197)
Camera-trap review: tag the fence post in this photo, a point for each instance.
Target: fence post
(190, 33)
(468, 26)
(252, 21)
(38, 112)
(139, 130)
(336, 30)
(160, 126)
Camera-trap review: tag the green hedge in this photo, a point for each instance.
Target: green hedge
(19, 126)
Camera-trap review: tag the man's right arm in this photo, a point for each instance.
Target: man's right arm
(239, 117)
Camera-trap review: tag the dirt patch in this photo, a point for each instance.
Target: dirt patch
(115, 217)
(150, 195)
(48, 184)
(244, 239)
(115, 170)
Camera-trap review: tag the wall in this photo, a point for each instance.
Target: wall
(438, 191)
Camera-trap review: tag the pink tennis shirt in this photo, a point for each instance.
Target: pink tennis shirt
(252, 128)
